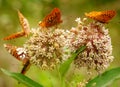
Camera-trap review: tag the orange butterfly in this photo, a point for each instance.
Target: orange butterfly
(25, 28)
(20, 54)
(102, 16)
(51, 19)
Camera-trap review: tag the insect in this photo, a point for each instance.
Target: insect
(15, 35)
(25, 28)
(20, 54)
(101, 16)
(54, 18)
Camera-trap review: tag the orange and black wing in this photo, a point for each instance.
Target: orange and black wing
(15, 35)
(24, 23)
(102, 16)
(52, 19)
(20, 54)
(25, 28)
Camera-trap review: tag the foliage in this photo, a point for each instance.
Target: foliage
(105, 79)
(30, 83)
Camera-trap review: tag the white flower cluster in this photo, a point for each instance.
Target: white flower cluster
(98, 53)
(45, 47)
(48, 47)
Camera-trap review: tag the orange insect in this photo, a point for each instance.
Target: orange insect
(20, 54)
(15, 35)
(54, 18)
(24, 23)
(25, 28)
(102, 16)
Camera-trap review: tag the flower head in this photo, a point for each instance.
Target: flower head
(45, 47)
(98, 53)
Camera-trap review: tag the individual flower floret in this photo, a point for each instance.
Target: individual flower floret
(82, 84)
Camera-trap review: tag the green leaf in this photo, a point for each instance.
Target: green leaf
(22, 78)
(105, 79)
(65, 66)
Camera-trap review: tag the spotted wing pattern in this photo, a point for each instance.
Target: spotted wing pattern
(20, 54)
(102, 16)
(25, 28)
(52, 19)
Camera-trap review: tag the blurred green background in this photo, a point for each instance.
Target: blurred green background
(34, 11)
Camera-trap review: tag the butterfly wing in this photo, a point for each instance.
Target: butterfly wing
(25, 28)
(108, 15)
(20, 54)
(15, 35)
(24, 23)
(103, 16)
(52, 19)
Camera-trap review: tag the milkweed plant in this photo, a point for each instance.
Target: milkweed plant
(84, 48)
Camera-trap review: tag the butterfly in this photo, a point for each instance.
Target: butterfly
(20, 54)
(25, 28)
(101, 16)
(54, 18)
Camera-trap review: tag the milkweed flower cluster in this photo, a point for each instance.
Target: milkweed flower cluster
(98, 52)
(50, 46)
(45, 47)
